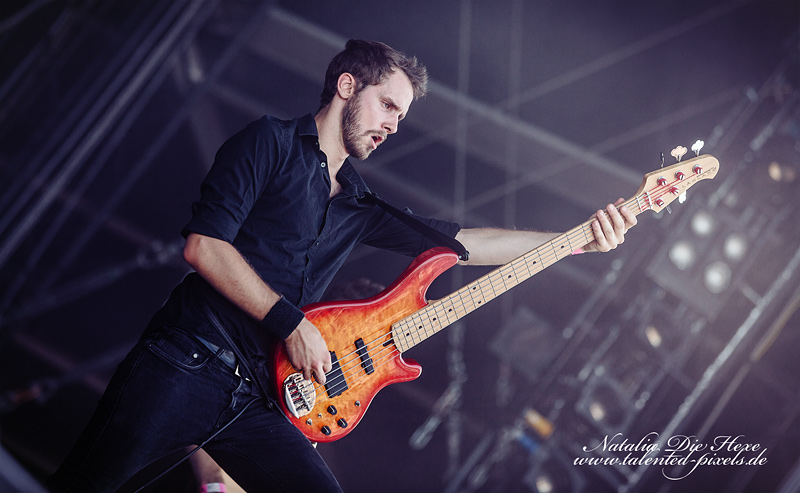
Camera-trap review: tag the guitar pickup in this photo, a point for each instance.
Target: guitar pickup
(363, 353)
(335, 383)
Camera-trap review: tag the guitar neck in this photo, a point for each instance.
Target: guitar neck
(437, 315)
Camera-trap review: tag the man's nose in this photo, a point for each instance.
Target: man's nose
(391, 125)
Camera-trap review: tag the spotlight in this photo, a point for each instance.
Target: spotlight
(552, 473)
(605, 406)
(653, 336)
(544, 484)
(702, 223)
(597, 411)
(682, 254)
(717, 277)
(735, 247)
(779, 172)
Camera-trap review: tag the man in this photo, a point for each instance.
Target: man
(279, 211)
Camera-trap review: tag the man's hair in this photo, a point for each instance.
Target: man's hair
(371, 62)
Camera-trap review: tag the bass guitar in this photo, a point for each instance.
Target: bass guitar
(367, 337)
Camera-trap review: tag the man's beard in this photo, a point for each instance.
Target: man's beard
(351, 131)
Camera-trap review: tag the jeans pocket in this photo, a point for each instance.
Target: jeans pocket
(180, 350)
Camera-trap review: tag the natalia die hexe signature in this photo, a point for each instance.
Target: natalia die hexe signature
(678, 450)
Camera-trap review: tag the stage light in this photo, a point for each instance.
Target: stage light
(702, 223)
(544, 484)
(605, 406)
(653, 336)
(717, 277)
(551, 474)
(779, 172)
(597, 411)
(735, 247)
(682, 254)
(774, 170)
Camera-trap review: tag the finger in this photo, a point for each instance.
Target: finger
(609, 233)
(618, 223)
(308, 373)
(599, 237)
(630, 217)
(327, 363)
(320, 375)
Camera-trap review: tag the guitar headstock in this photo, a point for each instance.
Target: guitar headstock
(659, 188)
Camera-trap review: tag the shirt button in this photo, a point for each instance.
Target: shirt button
(322, 164)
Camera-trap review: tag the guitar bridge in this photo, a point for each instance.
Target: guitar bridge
(299, 394)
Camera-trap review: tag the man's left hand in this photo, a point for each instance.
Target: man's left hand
(609, 227)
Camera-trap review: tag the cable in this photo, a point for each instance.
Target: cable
(194, 450)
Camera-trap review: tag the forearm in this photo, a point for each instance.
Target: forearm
(229, 273)
(219, 263)
(494, 246)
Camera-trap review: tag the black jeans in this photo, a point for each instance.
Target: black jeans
(172, 391)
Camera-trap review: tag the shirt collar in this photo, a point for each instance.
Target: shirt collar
(355, 181)
(306, 125)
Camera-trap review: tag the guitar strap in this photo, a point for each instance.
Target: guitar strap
(420, 227)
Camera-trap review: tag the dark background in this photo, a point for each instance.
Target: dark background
(539, 113)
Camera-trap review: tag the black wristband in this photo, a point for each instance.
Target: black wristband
(282, 318)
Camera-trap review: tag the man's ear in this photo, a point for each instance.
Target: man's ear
(346, 85)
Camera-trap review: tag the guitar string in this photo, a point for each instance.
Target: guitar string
(348, 366)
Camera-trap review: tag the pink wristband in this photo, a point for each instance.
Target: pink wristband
(213, 488)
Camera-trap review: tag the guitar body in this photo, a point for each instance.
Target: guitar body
(359, 334)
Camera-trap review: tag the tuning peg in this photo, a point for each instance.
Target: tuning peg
(697, 146)
(678, 152)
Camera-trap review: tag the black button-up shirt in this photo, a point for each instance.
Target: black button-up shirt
(268, 194)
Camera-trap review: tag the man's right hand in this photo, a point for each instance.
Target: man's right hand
(308, 352)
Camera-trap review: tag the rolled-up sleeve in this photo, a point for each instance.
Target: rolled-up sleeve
(233, 184)
(389, 233)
